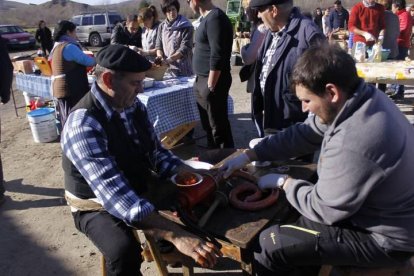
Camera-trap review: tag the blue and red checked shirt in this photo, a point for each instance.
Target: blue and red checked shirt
(85, 143)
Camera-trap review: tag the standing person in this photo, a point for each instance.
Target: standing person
(367, 22)
(6, 80)
(249, 57)
(392, 31)
(317, 17)
(112, 159)
(339, 17)
(128, 34)
(360, 211)
(289, 36)
(44, 37)
(211, 64)
(69, 79)
(404, 39)
(149, 32)
(175, 40)
(325, 23)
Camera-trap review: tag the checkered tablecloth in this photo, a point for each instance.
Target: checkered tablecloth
(35, 85)
(169, 103)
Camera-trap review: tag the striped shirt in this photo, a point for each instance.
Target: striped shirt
(85, 143)
(267, 59)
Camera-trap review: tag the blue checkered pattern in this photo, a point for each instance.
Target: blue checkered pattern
(85, 143)
(167, 106)
(33, 84)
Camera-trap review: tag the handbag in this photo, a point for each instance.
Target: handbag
(246, 71)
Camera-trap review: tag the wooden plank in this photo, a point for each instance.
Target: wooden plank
(170, 138)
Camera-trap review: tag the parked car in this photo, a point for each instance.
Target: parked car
(95, 28)
(16, 37)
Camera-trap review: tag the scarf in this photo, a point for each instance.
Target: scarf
(179, 23)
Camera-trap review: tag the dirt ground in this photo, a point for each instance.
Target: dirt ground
(37, 234)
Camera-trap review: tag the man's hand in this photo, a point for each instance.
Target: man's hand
(272, 181)
(204, 253)
(368, 36)
(234, 164)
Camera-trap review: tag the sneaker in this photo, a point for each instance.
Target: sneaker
(397, 96)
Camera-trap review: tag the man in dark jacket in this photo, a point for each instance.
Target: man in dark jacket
(339, 17)
(6, 80)
(289, 35)
(128, 34)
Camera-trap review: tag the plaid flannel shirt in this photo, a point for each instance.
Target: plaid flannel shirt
(85, 143)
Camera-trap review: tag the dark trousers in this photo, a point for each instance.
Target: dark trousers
(64, 107)
(300, 248)
(114, 239)
(213, 110)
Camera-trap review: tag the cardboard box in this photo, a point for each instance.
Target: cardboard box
(23, 66)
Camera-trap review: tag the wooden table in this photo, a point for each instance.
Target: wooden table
(236, 230)
(388, 72)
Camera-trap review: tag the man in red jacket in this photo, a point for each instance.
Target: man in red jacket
(367, 22)
(404, 39)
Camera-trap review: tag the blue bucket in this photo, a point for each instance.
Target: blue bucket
(43, 124)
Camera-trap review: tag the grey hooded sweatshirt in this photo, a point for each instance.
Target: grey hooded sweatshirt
(365, 169)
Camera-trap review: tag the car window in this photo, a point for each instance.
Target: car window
(99, 19)
(76, 20)
(11, 29)
(114, 18)
(87, 20)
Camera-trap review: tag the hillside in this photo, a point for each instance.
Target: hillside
(28, 15)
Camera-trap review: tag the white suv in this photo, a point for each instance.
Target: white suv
(95, 28)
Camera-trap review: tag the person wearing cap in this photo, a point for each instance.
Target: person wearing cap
(360, 211)
(367, 22)
(211, 63)
(289, 35)
(113, 163)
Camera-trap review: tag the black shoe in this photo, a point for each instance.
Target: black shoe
(397, 96)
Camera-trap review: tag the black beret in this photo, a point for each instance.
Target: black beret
(120, 58)
(261, 3)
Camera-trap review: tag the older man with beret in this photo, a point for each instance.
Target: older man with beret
(111, 158)
(289, 35)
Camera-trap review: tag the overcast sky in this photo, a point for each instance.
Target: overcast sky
(90, 2)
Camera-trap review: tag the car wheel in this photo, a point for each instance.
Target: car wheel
(95, 40)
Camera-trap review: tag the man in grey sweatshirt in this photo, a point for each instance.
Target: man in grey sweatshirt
(361, 210)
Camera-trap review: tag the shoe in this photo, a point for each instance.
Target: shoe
(397, 96)
(390, 91)
(2, 199)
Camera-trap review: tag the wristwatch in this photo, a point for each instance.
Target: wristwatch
(282, 179)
